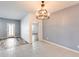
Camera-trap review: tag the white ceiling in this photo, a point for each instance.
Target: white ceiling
(17, 10)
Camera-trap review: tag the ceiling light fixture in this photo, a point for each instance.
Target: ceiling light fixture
(42, 14)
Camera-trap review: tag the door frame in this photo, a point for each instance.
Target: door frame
(40, 33)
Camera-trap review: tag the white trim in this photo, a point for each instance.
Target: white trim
(52, 43)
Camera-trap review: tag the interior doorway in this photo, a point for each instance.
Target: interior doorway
(35, 31)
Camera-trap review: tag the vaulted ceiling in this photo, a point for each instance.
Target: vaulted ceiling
(18, 9)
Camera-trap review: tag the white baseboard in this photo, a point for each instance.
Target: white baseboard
(52, 43)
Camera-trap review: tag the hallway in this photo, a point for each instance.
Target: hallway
(38, 49)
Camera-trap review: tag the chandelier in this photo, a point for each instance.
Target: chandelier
(42, 14)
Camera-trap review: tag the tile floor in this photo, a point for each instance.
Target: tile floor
(11, 42)
(37, 49)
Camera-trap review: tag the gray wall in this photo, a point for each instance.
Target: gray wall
(63, 27)
(25, 28)
(3, 27)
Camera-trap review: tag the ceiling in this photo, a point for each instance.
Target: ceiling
(19, 9)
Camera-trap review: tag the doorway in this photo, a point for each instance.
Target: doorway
(37, 33)
(35, 29)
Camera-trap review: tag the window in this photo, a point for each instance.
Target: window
(10, 30)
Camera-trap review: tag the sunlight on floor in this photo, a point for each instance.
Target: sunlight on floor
(11, 42)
